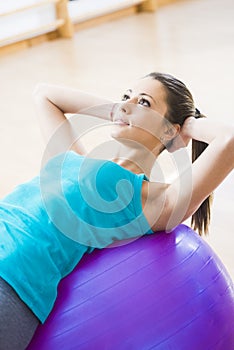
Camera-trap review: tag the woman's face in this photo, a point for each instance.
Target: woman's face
(139, 117)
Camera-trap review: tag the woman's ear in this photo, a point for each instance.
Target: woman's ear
(171, 131)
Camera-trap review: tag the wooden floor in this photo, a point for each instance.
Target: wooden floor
(194, 40)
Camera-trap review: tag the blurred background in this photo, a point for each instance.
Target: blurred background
(102, 48)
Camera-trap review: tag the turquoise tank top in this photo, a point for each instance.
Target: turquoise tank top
(75, 205)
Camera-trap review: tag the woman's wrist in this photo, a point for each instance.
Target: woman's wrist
(206, 130)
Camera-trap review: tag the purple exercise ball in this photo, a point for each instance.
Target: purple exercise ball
(161, 291)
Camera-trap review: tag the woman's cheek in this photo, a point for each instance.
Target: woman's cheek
(150, 122)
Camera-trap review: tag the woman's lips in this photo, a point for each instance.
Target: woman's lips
(120, 122)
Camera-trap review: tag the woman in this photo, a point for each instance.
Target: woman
(84, 201)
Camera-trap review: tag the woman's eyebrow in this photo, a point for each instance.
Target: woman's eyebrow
(144, 94)
(129, 90)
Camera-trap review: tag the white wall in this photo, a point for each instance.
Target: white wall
(14, 27)
(81, 10)
(18, 23)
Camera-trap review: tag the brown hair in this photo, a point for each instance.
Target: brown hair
(180, 105)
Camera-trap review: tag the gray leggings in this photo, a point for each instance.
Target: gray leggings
(17, 321)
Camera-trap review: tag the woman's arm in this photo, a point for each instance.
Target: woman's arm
(53, 102)
(216, 162)
(183, 197)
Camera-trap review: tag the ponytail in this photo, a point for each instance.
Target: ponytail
(201, 218)
(180, 105)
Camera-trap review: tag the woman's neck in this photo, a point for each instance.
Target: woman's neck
(135, 159)
(138, 160)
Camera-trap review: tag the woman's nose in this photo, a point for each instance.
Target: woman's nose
(125, 107)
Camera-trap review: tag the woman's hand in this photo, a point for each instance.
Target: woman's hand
(183, 138)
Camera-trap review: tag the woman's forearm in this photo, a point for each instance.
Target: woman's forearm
(206, 130)
(69, 100)
(53, 102)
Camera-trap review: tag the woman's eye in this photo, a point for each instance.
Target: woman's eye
(125, 97)
(144, 102)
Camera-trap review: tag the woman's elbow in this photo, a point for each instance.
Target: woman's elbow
(230, 140)
(232, 134)
(227, 142)
(40, 91)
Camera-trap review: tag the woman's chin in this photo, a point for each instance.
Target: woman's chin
(117, 131)
(115, 136)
